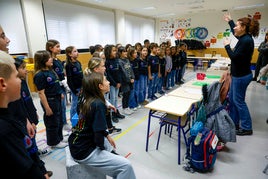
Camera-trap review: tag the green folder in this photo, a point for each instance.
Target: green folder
(200, 83)
(213, 76)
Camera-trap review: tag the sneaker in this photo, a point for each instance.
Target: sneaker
(242, 132)
(126, 111)
(154, 98)
(115, 131)
(114, 152)
(60, 145)
(130, 110)
(145, 102)
(49, 173)
(65, 139)
(67, 127)
(66, 133)
(158, 95)
(139, 106)
(115, 119)
(118, 115)
(134, 109)
(43, 153)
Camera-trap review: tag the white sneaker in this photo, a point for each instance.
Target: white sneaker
(157, 95)
(134, 109)
(126, 111)
(65, 139)
(130, 110)
(66, 133)
(67, 127)
(43, 152)
(139, 106)
(60, 145)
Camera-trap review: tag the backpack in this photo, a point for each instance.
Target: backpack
(202, 151)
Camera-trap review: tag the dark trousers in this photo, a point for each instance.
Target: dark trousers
(109, 120)
(54, 123)
(125, 99)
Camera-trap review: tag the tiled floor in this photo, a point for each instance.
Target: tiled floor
(244, 159)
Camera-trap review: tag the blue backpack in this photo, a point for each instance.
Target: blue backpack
(202, 151)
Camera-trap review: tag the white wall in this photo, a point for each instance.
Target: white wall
(215, 24)
(35, 25)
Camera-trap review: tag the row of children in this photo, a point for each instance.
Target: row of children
(143, 72)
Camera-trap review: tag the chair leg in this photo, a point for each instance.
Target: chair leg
(170, 130)
(159, 134)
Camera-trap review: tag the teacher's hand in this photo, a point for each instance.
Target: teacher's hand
(227, 17)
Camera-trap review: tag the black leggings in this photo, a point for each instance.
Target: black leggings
(125, 99)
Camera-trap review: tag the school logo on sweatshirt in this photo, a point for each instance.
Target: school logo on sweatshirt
(57, 70)
(49, 79)
(27, 142)
(23, 94)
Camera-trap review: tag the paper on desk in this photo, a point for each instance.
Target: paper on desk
(192, 90)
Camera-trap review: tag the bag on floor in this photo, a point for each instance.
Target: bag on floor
(202, 150)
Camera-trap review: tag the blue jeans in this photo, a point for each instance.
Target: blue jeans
(142, 88)
(133, 98)
(152, 85)
(63, 107)
(73, 109)
(173, 76)
(168, 82)
(238, 108)
(114, 96)
(160, 84)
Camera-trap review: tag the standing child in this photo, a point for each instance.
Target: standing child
(114, 76)
(50, 94)
(31, 113)
(174, 69)
(162, 64)
(153, 71)
(53, 47)
(134, 62)
(182, 62)
(127, 79)
(74, 75)
(13, 137)
(90, 143)
(97, 64)
(168, 68)
(143, 71)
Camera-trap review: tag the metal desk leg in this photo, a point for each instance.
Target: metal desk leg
(179, 140)
(148, 130)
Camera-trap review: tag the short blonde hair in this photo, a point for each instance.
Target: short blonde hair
(6, 65)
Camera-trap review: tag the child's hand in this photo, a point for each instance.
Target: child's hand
(111, 141)
(49, 112)
(112, 108)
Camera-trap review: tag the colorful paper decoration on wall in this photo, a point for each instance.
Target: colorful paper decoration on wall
(257, 15)
(197, 33)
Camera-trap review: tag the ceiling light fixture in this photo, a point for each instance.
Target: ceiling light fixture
(149, 8)
(248, 6)
(165, 15)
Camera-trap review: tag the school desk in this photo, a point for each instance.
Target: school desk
(172, 105)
